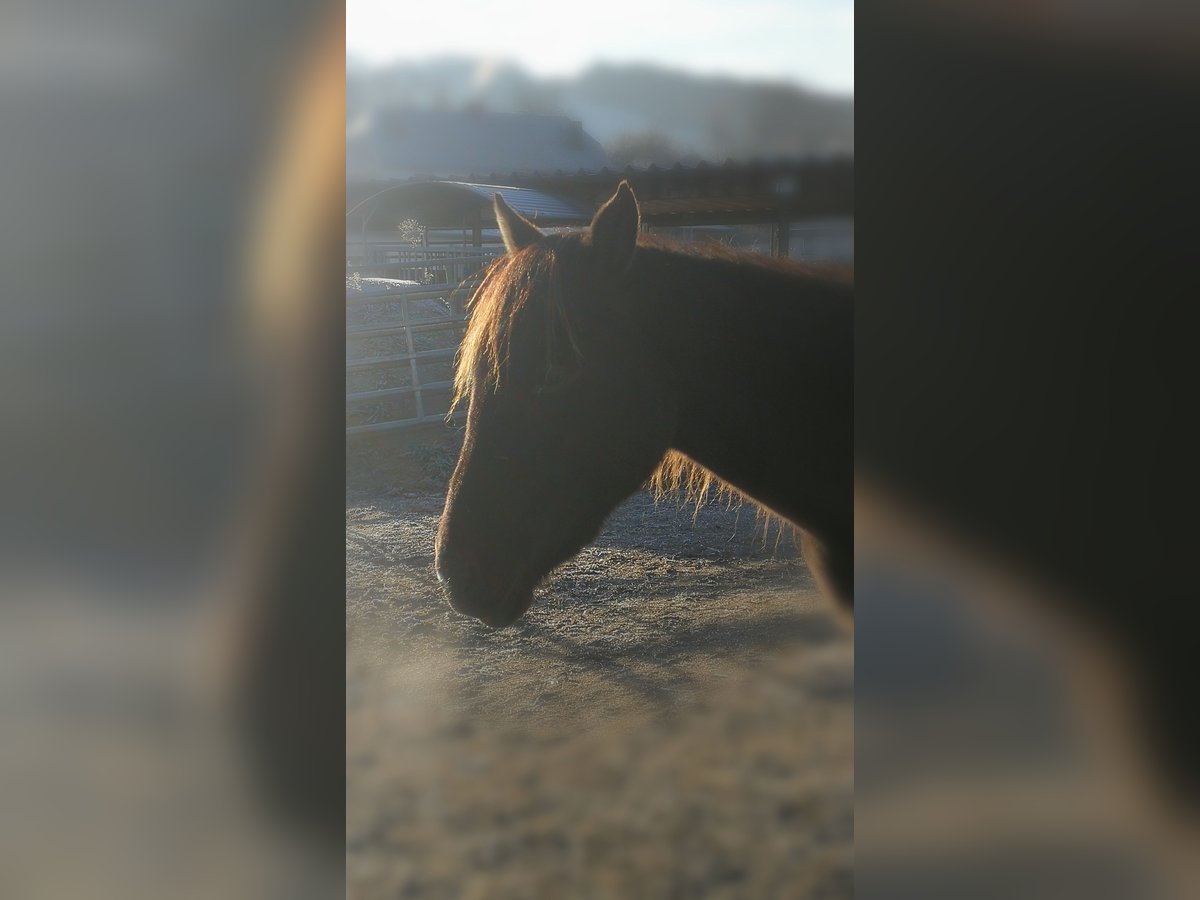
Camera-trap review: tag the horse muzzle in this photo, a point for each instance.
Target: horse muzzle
(471, 594)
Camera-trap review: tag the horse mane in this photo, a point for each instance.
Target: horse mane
(510, 282)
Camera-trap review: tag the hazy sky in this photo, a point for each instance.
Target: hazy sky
(810, 42)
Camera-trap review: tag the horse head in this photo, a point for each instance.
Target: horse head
(566, 412)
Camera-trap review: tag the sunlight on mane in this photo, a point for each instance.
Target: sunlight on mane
(686, 481)
(507, 286)
(679, 477)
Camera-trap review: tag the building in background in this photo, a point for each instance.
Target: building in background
(404, 143)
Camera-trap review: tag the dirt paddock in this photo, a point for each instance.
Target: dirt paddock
(672, 718)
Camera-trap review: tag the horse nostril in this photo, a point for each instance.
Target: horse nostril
(456, 575)
(442, 565)
(465, 588)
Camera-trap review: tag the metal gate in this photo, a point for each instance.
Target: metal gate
(401, 339)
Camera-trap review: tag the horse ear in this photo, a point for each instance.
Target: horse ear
(517, 231)
(615, 229)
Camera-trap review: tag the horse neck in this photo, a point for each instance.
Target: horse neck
(759, 362)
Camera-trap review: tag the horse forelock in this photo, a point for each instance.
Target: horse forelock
(509, 284)
(478, 353)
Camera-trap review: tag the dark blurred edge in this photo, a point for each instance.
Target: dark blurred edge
(1027, 286)
(293, 700)
(139, 453)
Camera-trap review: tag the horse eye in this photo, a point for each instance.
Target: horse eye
(557, 379)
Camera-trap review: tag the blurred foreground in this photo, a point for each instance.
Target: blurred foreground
(1026, 512)
(171, 639)
(1001, 751)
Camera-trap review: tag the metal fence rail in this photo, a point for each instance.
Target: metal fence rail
(426, 265)
(396, 332)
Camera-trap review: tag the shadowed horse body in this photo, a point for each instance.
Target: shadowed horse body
(595, 362)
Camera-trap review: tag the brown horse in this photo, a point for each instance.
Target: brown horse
(594, 362)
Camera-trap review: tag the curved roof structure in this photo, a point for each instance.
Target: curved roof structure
(704, 194)
(457, 204)
(534, 205)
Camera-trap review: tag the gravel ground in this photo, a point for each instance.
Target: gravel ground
(672, 718)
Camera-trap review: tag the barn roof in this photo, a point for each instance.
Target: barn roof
(458, 204)
(705, 193)
(535, 205)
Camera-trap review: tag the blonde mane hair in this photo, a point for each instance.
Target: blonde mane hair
(508, 284)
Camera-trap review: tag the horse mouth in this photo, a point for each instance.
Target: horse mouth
(507, 614)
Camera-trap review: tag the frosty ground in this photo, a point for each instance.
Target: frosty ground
(672, 718)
